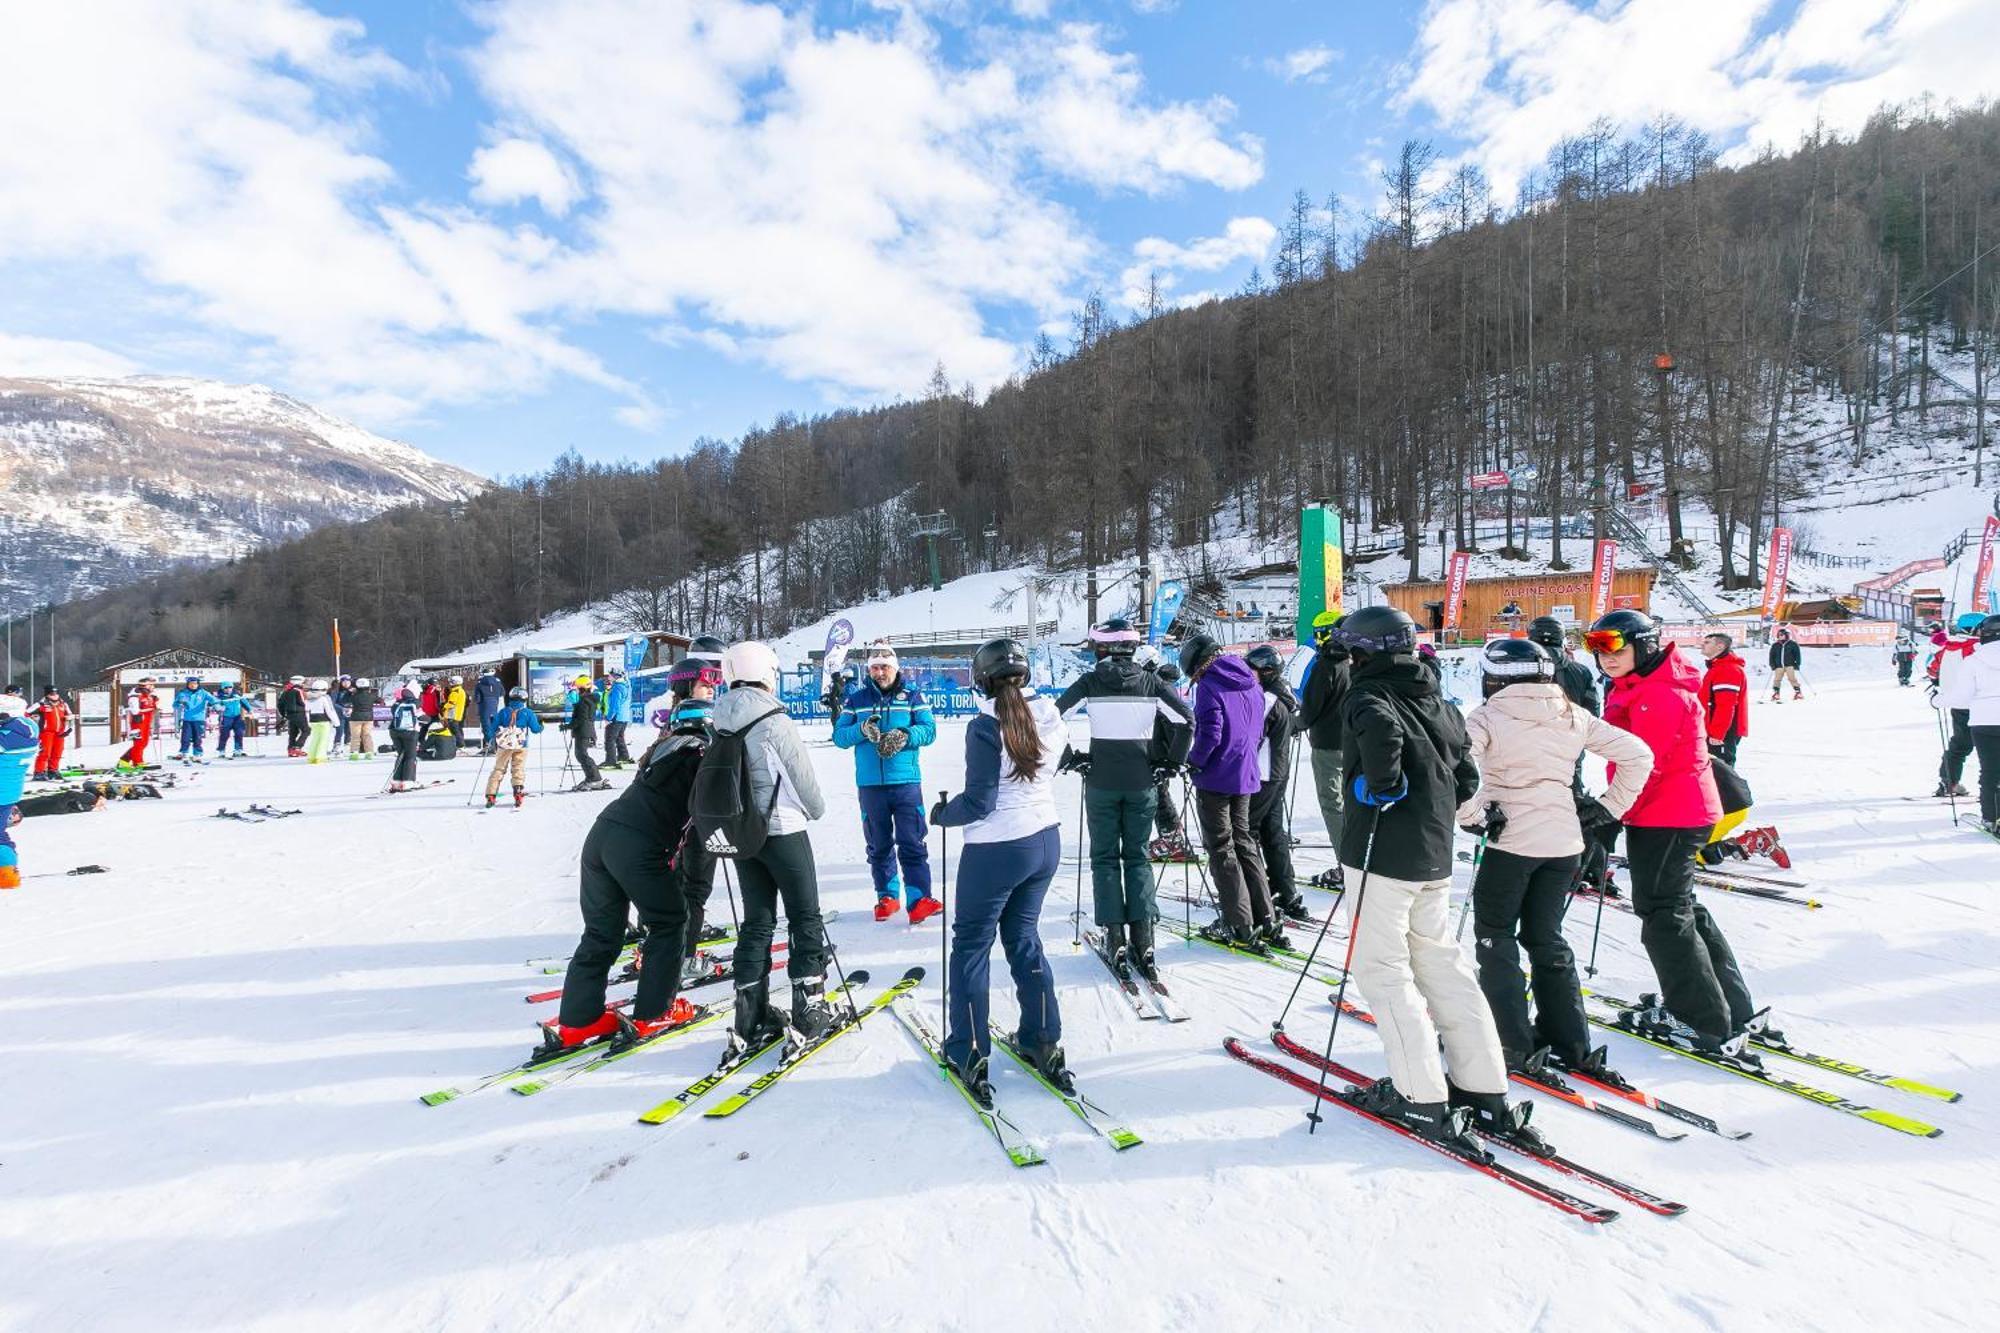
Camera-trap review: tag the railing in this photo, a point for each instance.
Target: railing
(1635, 536)
(1826, 561)
(1044, 630)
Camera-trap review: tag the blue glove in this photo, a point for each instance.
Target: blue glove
(1366, 796)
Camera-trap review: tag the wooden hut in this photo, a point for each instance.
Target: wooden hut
(1506, 604)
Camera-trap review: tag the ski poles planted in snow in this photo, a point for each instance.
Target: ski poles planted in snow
(944, 915)
(1347, 965)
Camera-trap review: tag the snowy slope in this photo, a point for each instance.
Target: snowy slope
(216, 1051)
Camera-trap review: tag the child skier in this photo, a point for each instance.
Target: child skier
(233, 710)
(512, 726)
(405, 731)
(191, 707)
(321, 716)
(142, 710)
(19, 745)
(1905, 656)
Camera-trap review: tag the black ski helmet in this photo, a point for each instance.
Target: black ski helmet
(1264, 660)
(999, 660)
(1114, 638)
(1376, 629)
(1615, 629)
(708, 645)
(1197, 653)
(1547, 631)
(1989, 629)
(1505, 662)
(518, 692)
(1169, 672)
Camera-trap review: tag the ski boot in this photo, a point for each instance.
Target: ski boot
(10, 877)
(1244, 938)
(520, 796)
(1493, 1114)
(812, 1016)
(1293, 908)
(1441, 1122)
(756, 1024)
(1537, 1065)
(1594, 1065)
(1272, 935)
(923, 909)
(886, 907)
(491, 800)
(1049, 1063)
(1654, 1019)
(1140, 950)
(695, 967)
(679, 1014)
(977, 1079)
(1760, 1031)
(1117, 952)
(557, 1037)
(1330, 878)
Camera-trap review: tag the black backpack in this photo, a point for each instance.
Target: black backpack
(725, 814)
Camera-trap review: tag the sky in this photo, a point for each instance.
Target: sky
(499, 229)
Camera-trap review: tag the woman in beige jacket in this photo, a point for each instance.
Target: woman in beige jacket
(1527, 738)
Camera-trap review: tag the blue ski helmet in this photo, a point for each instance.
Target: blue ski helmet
(1969, 622)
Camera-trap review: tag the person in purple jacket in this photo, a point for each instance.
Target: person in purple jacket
(1228, 727)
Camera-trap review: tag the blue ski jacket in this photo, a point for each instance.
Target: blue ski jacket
(193, 705)
(900, 707)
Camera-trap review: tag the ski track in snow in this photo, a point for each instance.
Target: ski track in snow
(216, 1051)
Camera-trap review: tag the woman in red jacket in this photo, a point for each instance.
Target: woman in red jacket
(1654, 695)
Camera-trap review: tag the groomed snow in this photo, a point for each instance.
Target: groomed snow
(215, 1053)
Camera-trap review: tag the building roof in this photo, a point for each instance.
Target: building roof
(180, 659)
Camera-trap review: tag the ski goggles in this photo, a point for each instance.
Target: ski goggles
(1605, 640)
(696, 675)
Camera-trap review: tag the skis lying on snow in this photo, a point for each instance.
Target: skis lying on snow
(1606, 1014)
(1004, 1131)
(414, 786)
(1482, 1163)
(1086, 1110)
(764, 1082)
(250, 816)
(1651, 1202)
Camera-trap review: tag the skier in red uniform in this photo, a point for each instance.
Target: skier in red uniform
(53, 715)
(1725, 697)
(141, 710)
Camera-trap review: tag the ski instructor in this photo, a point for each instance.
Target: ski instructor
(885, 722)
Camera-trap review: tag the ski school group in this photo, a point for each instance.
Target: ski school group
(1397, 774)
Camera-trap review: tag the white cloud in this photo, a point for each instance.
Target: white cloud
(516, 169)
(1245, 238)
(1308, 64)
(1514, 76)
(31, 357)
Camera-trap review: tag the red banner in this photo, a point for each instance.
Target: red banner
(1982, 580)
(1488, 481)
(1776, 571)
(1603, 568)
(1454, 588)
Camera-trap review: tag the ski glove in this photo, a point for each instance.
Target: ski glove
(892, 743)
(937, 811)
(1595, 819)
(1367, 795)
(1491, 824)
(1166, 773)
(871, 730)
(1073, 762)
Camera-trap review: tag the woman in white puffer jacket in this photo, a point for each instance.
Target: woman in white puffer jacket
(1526, 739)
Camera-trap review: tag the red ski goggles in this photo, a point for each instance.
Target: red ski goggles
(1605, 640)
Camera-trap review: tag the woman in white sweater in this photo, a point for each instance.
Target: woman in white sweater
(1526, 739)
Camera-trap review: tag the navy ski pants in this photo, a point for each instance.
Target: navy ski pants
(892, 820)
(1000, 890)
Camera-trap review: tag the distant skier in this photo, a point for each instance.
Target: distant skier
(617, 713)
(1725, 697)
(340, 692)
(1705, 1002)
(1274, 769)
(232, 720)
(19, 745)
(886, 721)
(1012, 849)
(1905, 656)
(1785, 663)
(513, 725)
(489, 696)
(192, 704)
(322, 715)
(142, 711)
(1228, 729)
(52, 716)
(292, 711)
(1952, 696)
(405, 731)
(453, 715)
(1982, 673)
(361, 719)
(582, 729)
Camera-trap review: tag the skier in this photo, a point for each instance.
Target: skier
(191, 706)
(342, 691)
(1172, 844)
(1525, 740)
(629, 863)
(454, 711)
(1725, 697)
(361, 719)
(1325, 687)
(1274, 768)
(1705, 1001)
(142, 710)
(1403, 755)
(405, 730)
(292, 711)
(1012, 847)
(693, 681)
(512, 726)
(488, 697)
(1785, 663)
(1138, 725)
(783, 784)
(1575, 678)
(19, 745)
(1953, 696)
(617, 713)
(1982, 672)
(1905, 656)
(1228, 728)
(52, 717)
(582, 728)
(430, 701)
(885, 721)
(322, 715)
(232, 720)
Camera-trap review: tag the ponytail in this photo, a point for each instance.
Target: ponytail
(1019, 735)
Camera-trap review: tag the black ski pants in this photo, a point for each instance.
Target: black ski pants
(296, 729)
(406, 756)
(1166, 816)
(782, 869)
(1951, 770)
(1986, 740)
(1699, 979)
(614, 744)
(1274, 838)
(585, 762)
(622, 869)
(697, 867)
(1518, 903)
(1235, 861)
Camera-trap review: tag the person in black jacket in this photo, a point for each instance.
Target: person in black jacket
(1576, 679)
(1404, 751)
(361, 719)
(1172, 844)
(1325, 689)
(1785, 662)
(631, 860)
(1267, 807)
(583, 734)
(1126, 705)
(292, 708)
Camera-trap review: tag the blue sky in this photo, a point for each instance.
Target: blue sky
(503, 228)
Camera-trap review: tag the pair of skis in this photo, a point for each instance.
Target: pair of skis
(1149, 999)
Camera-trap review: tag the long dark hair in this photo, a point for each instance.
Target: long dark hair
(1018, 732)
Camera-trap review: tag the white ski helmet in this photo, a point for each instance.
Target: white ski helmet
(319, 685)
(750, 662)
(297, 680)
(365, 683)
(458, 680)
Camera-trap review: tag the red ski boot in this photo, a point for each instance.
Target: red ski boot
(559, 1037)
(886, 907)
(923, 909)
(679, 1014)
(520, 796)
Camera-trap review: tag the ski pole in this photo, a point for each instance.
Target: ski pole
(1324, 926)
(1597, 926)
(1347, 965)
(1076, 917)
(729, 889)
(944, 921)
(1944, 767)
(1478, 855)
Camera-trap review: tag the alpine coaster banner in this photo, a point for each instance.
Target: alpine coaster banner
(1603, 570)
(1454, 590)
(1777, 571)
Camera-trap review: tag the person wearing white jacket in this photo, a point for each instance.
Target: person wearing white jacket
(1982, 678)
(1526, 739)
(1953, 699)
(1012, 846)
(323, 714)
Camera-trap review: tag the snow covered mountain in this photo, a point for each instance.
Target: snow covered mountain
(109, 480)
